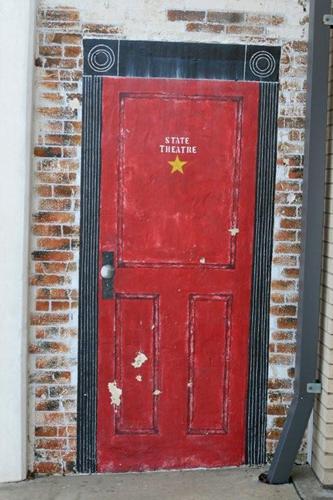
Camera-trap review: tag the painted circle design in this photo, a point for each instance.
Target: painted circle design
(262, 64)
(101, 58)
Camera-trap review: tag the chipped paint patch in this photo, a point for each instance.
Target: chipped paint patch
(139, 360)
(157, 392)
(202, 260)
(233, 231)
(138, 378)
(115, 392)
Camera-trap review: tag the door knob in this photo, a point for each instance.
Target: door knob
(107, 271)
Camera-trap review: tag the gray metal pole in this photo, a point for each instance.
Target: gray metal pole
(313, 208)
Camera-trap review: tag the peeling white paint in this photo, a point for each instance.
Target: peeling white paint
(139, 360)
(157, 392)
(233, 231)
(74, 103)
(139, 378)
(115, 392)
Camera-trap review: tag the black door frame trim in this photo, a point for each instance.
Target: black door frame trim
(175, 60)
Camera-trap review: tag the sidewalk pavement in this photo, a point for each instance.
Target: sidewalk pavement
(224, 484)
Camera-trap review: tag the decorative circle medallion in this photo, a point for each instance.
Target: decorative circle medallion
(262, 64)
(101, 58)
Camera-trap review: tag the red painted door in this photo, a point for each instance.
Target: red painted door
(177, 210)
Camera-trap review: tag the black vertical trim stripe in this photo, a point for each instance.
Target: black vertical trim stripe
(261, 283)
(88, 274)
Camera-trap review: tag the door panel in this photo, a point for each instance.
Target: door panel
(177, 208)
(209, 343)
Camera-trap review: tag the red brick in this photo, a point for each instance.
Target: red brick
(273, 434)
(281, 359)
(284, 310)
(56, 62)
(70, 76)
(291, 223)
(68, 431)
(209, 28)
(281, 336)
(279, 422)
(46, 280)
(277, 298)
(53, 97)
(42, 305)
(41, 392)
(283, 285)
(66, 191)
(53, 256)
(50, 405)
(285, 236)
(59, 306)
(288, 248)
(47, 152)
(276, 410)
(70, 152)
(287, 323)
(56, 362)
(107, 29)
(286, 211)
(286, 348)
(186, 15)
(279, 384)
(46, 431)
(296, 173)
(51, 444)
(50, 51)
(48, 347)
(47, 468)
(263, 19)
(64, 38)
(225, 17)
(288, 186)
(291, 273)
(56, 217)
(60, 112)
(245, 30)
(285, 260)
(72, 51)
(53, 243)
(46, 230)
(50, 74)
(72, 127)
(48, 318)
(54, 267)
(52, 204)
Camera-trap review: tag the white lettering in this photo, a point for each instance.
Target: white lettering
(177, 145)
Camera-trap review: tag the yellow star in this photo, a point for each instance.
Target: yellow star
(177, 165)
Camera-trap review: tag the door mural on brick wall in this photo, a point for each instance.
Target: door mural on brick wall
(174, 236)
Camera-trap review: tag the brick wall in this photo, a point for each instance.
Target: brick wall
(55, 218)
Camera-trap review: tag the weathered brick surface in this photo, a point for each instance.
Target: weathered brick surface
(55, 218)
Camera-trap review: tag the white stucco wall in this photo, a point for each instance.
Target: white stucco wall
(16, 42)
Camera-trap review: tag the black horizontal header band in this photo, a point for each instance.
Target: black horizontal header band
(144, 59)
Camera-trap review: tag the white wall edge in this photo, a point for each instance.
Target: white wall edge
(17, 20)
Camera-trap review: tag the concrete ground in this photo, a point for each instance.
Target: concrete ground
(307, 485)
(224, 484)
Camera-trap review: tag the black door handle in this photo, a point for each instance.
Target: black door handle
(107, 272)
